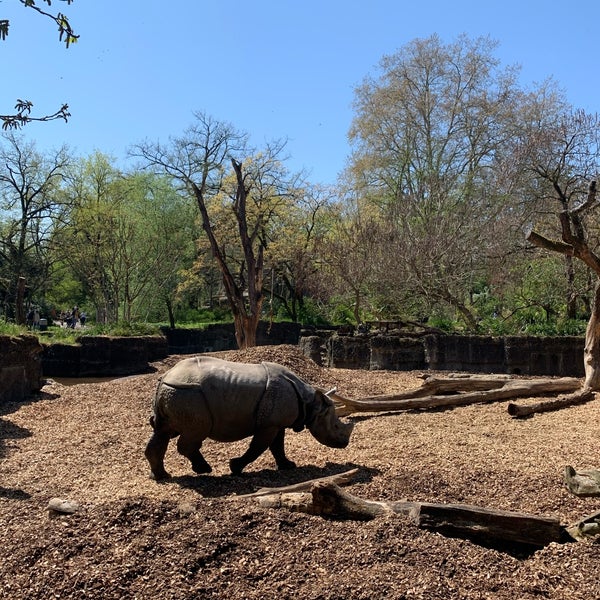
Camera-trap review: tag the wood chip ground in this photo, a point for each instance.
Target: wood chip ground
(134, 538)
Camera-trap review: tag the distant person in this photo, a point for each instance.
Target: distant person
(29, 319)
(36, 319)
(82, 318)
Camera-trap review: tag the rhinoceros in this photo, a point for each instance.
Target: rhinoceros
(206, 397)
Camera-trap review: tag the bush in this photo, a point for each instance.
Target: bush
(12, 329)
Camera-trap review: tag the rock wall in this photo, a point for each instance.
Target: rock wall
(24, 362)
(216, 338)
(99, 356)
(559, 356)
(20, 367)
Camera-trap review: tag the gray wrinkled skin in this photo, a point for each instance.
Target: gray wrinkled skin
(206, 397)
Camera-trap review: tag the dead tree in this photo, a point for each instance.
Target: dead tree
(574, 244)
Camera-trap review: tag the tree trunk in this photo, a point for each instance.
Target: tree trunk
(245, 330)
(20, 302)
(170, 312)
(571, 293)
(591, 352)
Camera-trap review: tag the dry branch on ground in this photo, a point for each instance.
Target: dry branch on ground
(437, 392)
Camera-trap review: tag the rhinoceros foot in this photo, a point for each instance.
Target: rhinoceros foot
(236, 466)
(286, 464)
(160, 475)
(201, 468)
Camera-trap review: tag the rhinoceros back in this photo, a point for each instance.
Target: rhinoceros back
(217, 398)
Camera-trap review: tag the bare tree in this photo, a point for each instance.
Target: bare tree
(574, 243)
(207, 162)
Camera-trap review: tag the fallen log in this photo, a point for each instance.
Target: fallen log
(458, 520)
(454, 383)
(585, 528)
(580, 397)
(337, 479)
(504, 389)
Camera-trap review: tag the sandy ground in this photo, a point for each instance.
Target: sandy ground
(190, 538)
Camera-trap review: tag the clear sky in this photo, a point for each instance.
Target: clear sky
(275, 69)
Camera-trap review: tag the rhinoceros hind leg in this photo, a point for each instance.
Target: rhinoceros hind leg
(199, 464)
(260, 442)
(155, 453)
(190, 448)
(278, 450)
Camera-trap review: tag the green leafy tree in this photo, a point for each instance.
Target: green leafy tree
(128, 237)
(89, 245)
(31, 210)
(431, 137)
(292, 255)
(163, 242)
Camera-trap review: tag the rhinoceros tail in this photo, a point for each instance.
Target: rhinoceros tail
(158, 420)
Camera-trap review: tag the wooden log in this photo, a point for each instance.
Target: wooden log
(588, 527)
(580, 397)
(460, 520)
(511, 388)
(433, 385)
(487, 524)
(337, 479)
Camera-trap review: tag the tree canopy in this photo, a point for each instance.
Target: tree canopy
(452, 161)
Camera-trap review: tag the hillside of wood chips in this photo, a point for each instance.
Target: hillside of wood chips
(189, 537)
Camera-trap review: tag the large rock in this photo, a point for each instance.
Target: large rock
(20, 367)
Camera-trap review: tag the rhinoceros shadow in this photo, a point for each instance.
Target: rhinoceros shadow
(217, 486)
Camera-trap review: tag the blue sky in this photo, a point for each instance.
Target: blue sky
(273, 69)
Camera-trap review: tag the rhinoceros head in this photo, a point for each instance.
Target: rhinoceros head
(325, 425)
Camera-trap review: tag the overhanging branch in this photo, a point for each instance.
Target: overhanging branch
(555, 246)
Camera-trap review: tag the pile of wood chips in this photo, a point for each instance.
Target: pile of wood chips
(130, 537)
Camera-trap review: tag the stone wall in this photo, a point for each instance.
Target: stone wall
(99, 356)
(20, 367)
(559, 356)
(220, 337)
(24, 362)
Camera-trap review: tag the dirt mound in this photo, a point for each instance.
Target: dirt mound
(286, 355)
(192, 538)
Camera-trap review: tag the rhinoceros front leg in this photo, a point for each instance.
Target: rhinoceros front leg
(190, 448)
(260, 442)
(278, 450)
(155, 453)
